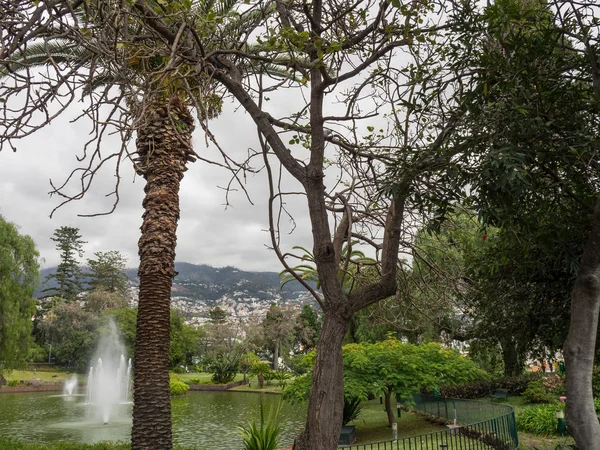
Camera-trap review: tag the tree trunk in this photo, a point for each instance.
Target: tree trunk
(163, 146)
(510, 354)
(261, 380)
(388, 407)
(326, 401)
(276, 356)
(581, 344)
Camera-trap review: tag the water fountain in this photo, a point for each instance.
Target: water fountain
(108, 384)
(70, 386)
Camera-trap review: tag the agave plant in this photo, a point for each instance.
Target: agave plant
(264, 436)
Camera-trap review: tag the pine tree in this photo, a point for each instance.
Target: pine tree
(107, 272)
(68, 274)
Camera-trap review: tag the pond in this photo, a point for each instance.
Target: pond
(205, 420)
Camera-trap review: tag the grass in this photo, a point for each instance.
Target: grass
(203, 377)
(49, 376)
(371, 425)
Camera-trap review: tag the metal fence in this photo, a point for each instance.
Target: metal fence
(479, 425)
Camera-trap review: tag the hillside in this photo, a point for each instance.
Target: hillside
(197, 288)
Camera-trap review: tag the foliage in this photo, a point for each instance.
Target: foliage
(177, 386)
(107, 271)
(264, 436)
(484, 388)
(307, 329)
(536, 392)
(404, 368)
(19, 276)
(539, 419)
(224, 368)
(12, 383)
(183, 341)
(72, 332)
(217, 315)
(352, 409)
(246, 362)
(100, 299)
(68, 275)
(261, 370)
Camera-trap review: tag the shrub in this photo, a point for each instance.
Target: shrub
(177, 386)
(539, 419)
(596, 381)
(537, 392)
(13, 383)
(555, 384)
(484, 388)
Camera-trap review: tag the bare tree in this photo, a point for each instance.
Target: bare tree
(355, 108)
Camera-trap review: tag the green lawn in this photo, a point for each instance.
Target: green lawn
(202, 377)
(371, 425)
(49, 376)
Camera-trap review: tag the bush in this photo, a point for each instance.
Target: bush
(596, 381)
(540, 419)
(177, 386)
(12, 383)
(484, 388)
(537, 392)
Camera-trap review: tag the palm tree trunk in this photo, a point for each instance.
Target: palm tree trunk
(163, 147)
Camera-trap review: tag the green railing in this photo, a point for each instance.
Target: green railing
(479, 425)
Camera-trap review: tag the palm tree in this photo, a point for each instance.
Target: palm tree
(163, 148)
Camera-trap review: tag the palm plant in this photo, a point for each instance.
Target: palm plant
(164, 124)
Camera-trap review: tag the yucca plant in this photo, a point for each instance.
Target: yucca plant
(264, 436)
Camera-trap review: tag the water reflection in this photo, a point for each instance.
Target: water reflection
(202, 419)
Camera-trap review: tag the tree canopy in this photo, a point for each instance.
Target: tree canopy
(19, 277)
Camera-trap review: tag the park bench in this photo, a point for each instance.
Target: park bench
(500, 394)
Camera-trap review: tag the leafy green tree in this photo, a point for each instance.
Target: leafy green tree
(19, 276)
(107, 271)
(68, 275)
(307, 329)
(391, 366)
(73, 333)
(184, 341)
(532, 114)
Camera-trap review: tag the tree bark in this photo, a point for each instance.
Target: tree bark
(510, 355)
(580, 345)
(388, 407)
(163, 147)
(324, 418)
(261, 380)
(276, 356)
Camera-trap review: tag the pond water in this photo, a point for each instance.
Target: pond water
(206, 420)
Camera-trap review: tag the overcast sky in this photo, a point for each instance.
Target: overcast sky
(208, 232)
